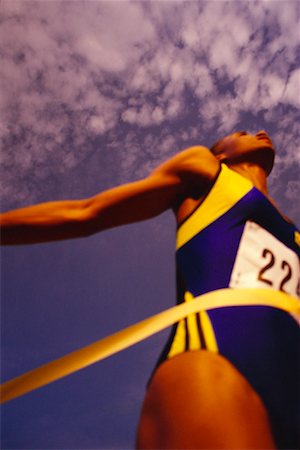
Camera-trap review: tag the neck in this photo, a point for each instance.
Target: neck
(254, 173)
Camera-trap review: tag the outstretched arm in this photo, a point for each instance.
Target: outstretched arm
(185, 175)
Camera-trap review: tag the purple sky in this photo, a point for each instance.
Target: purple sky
(94, 94)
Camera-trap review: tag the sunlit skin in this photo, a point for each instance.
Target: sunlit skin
(259, 147)
(243, 142)
(250, 155)
(198, 400)
(175, 185)
(215, 407)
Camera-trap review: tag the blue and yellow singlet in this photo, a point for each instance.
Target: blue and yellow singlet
(237, 239)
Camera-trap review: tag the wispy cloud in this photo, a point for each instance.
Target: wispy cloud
(142, 79)
(95, 93)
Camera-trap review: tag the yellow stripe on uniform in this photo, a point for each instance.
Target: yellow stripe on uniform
(178, 344)
(194, 339)
(135, 333)
(208, 331)
(228, 189)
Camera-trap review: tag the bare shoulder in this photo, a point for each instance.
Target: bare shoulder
(196, 167)
(197, 159)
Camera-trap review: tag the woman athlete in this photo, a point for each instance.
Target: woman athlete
(227, 378)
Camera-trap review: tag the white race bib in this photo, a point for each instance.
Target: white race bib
(263, 261)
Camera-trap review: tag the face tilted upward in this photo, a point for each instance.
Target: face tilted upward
(242, 146)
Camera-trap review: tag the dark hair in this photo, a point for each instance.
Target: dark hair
(215, 148)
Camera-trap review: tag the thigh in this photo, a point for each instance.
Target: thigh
(263, 344)
(199, 400)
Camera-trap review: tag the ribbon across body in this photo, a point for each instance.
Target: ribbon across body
(133, 334)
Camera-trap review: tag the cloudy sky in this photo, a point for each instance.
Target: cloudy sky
(94, 94)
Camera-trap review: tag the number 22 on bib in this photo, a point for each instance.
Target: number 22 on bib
(262, 261)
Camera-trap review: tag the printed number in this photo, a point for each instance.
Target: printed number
(269, 255)
(266, 254)
(288, 276)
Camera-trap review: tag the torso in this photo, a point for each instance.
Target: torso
(234, 237)
(213, 231)
(189, 205)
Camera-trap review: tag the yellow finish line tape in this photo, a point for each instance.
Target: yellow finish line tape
(133, 334)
